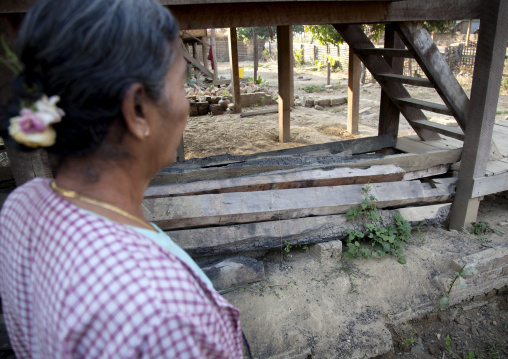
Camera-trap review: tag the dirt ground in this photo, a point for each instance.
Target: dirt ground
(307, 311)
(355, 308)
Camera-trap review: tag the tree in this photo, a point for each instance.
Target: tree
(327, 35)
(245, 33)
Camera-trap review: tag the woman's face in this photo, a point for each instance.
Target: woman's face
(170, 116)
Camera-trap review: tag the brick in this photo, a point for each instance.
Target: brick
(215, 100)
(485, 277)
(216, 110)
(327, 252)
(308, 102)
(323, 102)
(193, 110)
(338, 101)
(484, 261)
(235, 271)
(202, 108)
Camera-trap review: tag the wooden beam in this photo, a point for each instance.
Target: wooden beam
(489, 62)
(204, 52)
(353, 93)
(433, 63)
(386, 52)
(389, 113)
(260, 112)
(235, 75)
(407, 161)
(300, 179)
(247, 207)
(354, 34)
(266, 235)
(285, 62)
(424, 105)
(214, 53)
(251, 13)
(409, 80)
(191, 60)
(454, 132)
(484, 186)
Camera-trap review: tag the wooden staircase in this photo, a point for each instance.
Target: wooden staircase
(420, 46)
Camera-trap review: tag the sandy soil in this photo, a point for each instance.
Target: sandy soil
(354, 308)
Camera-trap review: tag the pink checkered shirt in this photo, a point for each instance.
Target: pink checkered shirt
(74, 285)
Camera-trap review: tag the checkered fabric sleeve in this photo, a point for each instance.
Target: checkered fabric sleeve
(76, 285)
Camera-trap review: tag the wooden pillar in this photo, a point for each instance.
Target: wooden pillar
(256, 55)
(215, 53)
(291, 69)
(194, 50)
(25, 165)
(490, 57)
(285, 64)
(180, 152)
(389, 115)
(235, 76)
(353, 93)
(469, 32)
(204, 52)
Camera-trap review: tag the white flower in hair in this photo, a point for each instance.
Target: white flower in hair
(33, 127)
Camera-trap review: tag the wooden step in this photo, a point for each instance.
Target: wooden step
(379, 51)
(416, 81)
(454, 132)
(424, 105)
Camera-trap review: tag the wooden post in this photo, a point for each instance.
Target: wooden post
(194, 50)
(215, 54)
(328, 68)
(25, 165)
(291, 69)
(180, 152)
(353, 93)
(469, 32)
(204, 52)
(490, 57)
(235, 76)
(389, 115)
(256, 55)
(285, 65)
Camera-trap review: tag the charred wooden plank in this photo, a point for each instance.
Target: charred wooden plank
(301, 179)
(268, 235)
(245, 207)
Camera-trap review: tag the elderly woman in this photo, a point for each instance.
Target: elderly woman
(82, 273)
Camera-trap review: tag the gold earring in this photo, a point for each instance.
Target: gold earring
(147, 133)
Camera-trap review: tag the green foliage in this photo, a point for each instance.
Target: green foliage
(409, 340)
(449, 349)
(246, 33)
(259, 81)
(326, 34)
(441, 26)
(389, 240)
(298, 55)
(314, 88)
(444, 302)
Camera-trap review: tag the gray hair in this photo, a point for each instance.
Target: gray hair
(89, 52)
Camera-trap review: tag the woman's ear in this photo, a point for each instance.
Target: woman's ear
(134, 111)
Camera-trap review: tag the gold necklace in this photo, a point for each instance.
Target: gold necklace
(73, 194)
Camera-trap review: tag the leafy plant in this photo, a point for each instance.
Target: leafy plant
(226, 92)
(449, 349)
(444, 302)
(409, 340)
(298, 55)
(388, 240)
(312, 88)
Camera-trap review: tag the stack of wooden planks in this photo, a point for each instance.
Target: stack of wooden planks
(229, 204)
